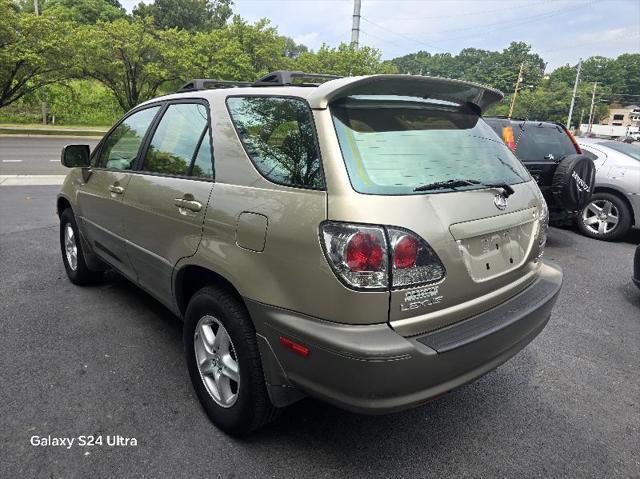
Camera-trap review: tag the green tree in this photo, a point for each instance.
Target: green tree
(239, 51)
(192, 15)
(293, 49)
(33, 52)
(85, 11)
(343, 60)
(132, 59)
(497, 69)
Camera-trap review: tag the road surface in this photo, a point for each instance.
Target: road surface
(36, 155)
(107, 360)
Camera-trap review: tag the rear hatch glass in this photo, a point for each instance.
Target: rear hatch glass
(542, 142)
(393, 146)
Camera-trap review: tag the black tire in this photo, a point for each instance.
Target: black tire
(573, 183)
(81, 274)
(252, 408)
(619, 230)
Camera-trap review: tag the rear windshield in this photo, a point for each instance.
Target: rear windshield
(537, 142)
(629, 149)
(392, 147)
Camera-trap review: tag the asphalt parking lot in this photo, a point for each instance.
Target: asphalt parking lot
(108, 360)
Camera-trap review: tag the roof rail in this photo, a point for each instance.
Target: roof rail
(210, 84)
(284, 77)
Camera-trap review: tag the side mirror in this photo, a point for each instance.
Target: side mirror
(75, 156)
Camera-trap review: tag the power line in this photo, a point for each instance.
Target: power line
(510, 24)
(402, 35)
(466, 14)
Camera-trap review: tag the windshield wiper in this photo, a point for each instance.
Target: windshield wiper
(440, 185)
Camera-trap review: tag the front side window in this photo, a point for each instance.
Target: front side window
(392, 147)
(180, 145)
(120, 149)
(279, 137)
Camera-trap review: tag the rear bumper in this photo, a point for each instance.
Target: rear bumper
(372, 369)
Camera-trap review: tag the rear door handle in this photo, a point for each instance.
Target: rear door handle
(188, 203)
(116, 189)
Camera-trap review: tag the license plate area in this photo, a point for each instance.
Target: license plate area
(493, 254)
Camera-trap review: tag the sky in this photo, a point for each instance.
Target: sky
(561, 31)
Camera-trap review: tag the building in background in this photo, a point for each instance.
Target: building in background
(623, 116)
(622, 121)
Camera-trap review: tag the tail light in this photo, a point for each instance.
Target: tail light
(508, 138)
(543, 218)
(413, 260)
(378, 257)
(573, 140)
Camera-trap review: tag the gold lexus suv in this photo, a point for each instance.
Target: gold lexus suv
(368, 241)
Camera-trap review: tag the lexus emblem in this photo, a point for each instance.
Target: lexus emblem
(500, 202)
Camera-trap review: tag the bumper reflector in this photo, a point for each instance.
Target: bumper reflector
(295, 347)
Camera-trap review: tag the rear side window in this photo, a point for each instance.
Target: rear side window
(537, 142)
(393, 147)
(279, 137)
(629, 149)
(180, 145)
(120, 149)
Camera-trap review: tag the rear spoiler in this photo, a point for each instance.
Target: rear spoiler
(456, 91)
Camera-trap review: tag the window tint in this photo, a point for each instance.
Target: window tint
(394, 147)
(536, 142)
(203, 165)
(175, 142)
(279, 137)
(120, 149)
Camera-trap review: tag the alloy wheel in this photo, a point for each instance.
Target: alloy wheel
(600, 217)
(217, 361)
(70, 247)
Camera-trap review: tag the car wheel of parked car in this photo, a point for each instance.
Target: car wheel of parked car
(606, 217)
(224, 362)
(72, 253)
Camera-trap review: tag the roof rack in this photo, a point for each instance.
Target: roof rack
(277, 78)
(209, 84)
(284, 77)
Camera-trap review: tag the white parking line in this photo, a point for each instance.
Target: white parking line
(54, 161)
(12, 161)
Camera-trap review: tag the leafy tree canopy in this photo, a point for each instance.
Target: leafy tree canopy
(33, 52)
(344, 60)
(78, 11)
(132, 59)
(191, 15)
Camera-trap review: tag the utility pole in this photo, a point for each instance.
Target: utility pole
(593, 100)
(515, 92)
(573, 97)
(581, 117)
(43, 105)
(355, 25)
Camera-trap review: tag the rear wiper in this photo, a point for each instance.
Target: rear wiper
(506, 188)
(440, 185)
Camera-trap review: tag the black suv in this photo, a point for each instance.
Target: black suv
(565, 176)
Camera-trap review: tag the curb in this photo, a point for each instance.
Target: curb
(31, 180)
(16, 131)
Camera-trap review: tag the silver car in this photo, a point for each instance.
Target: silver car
(615, 204)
